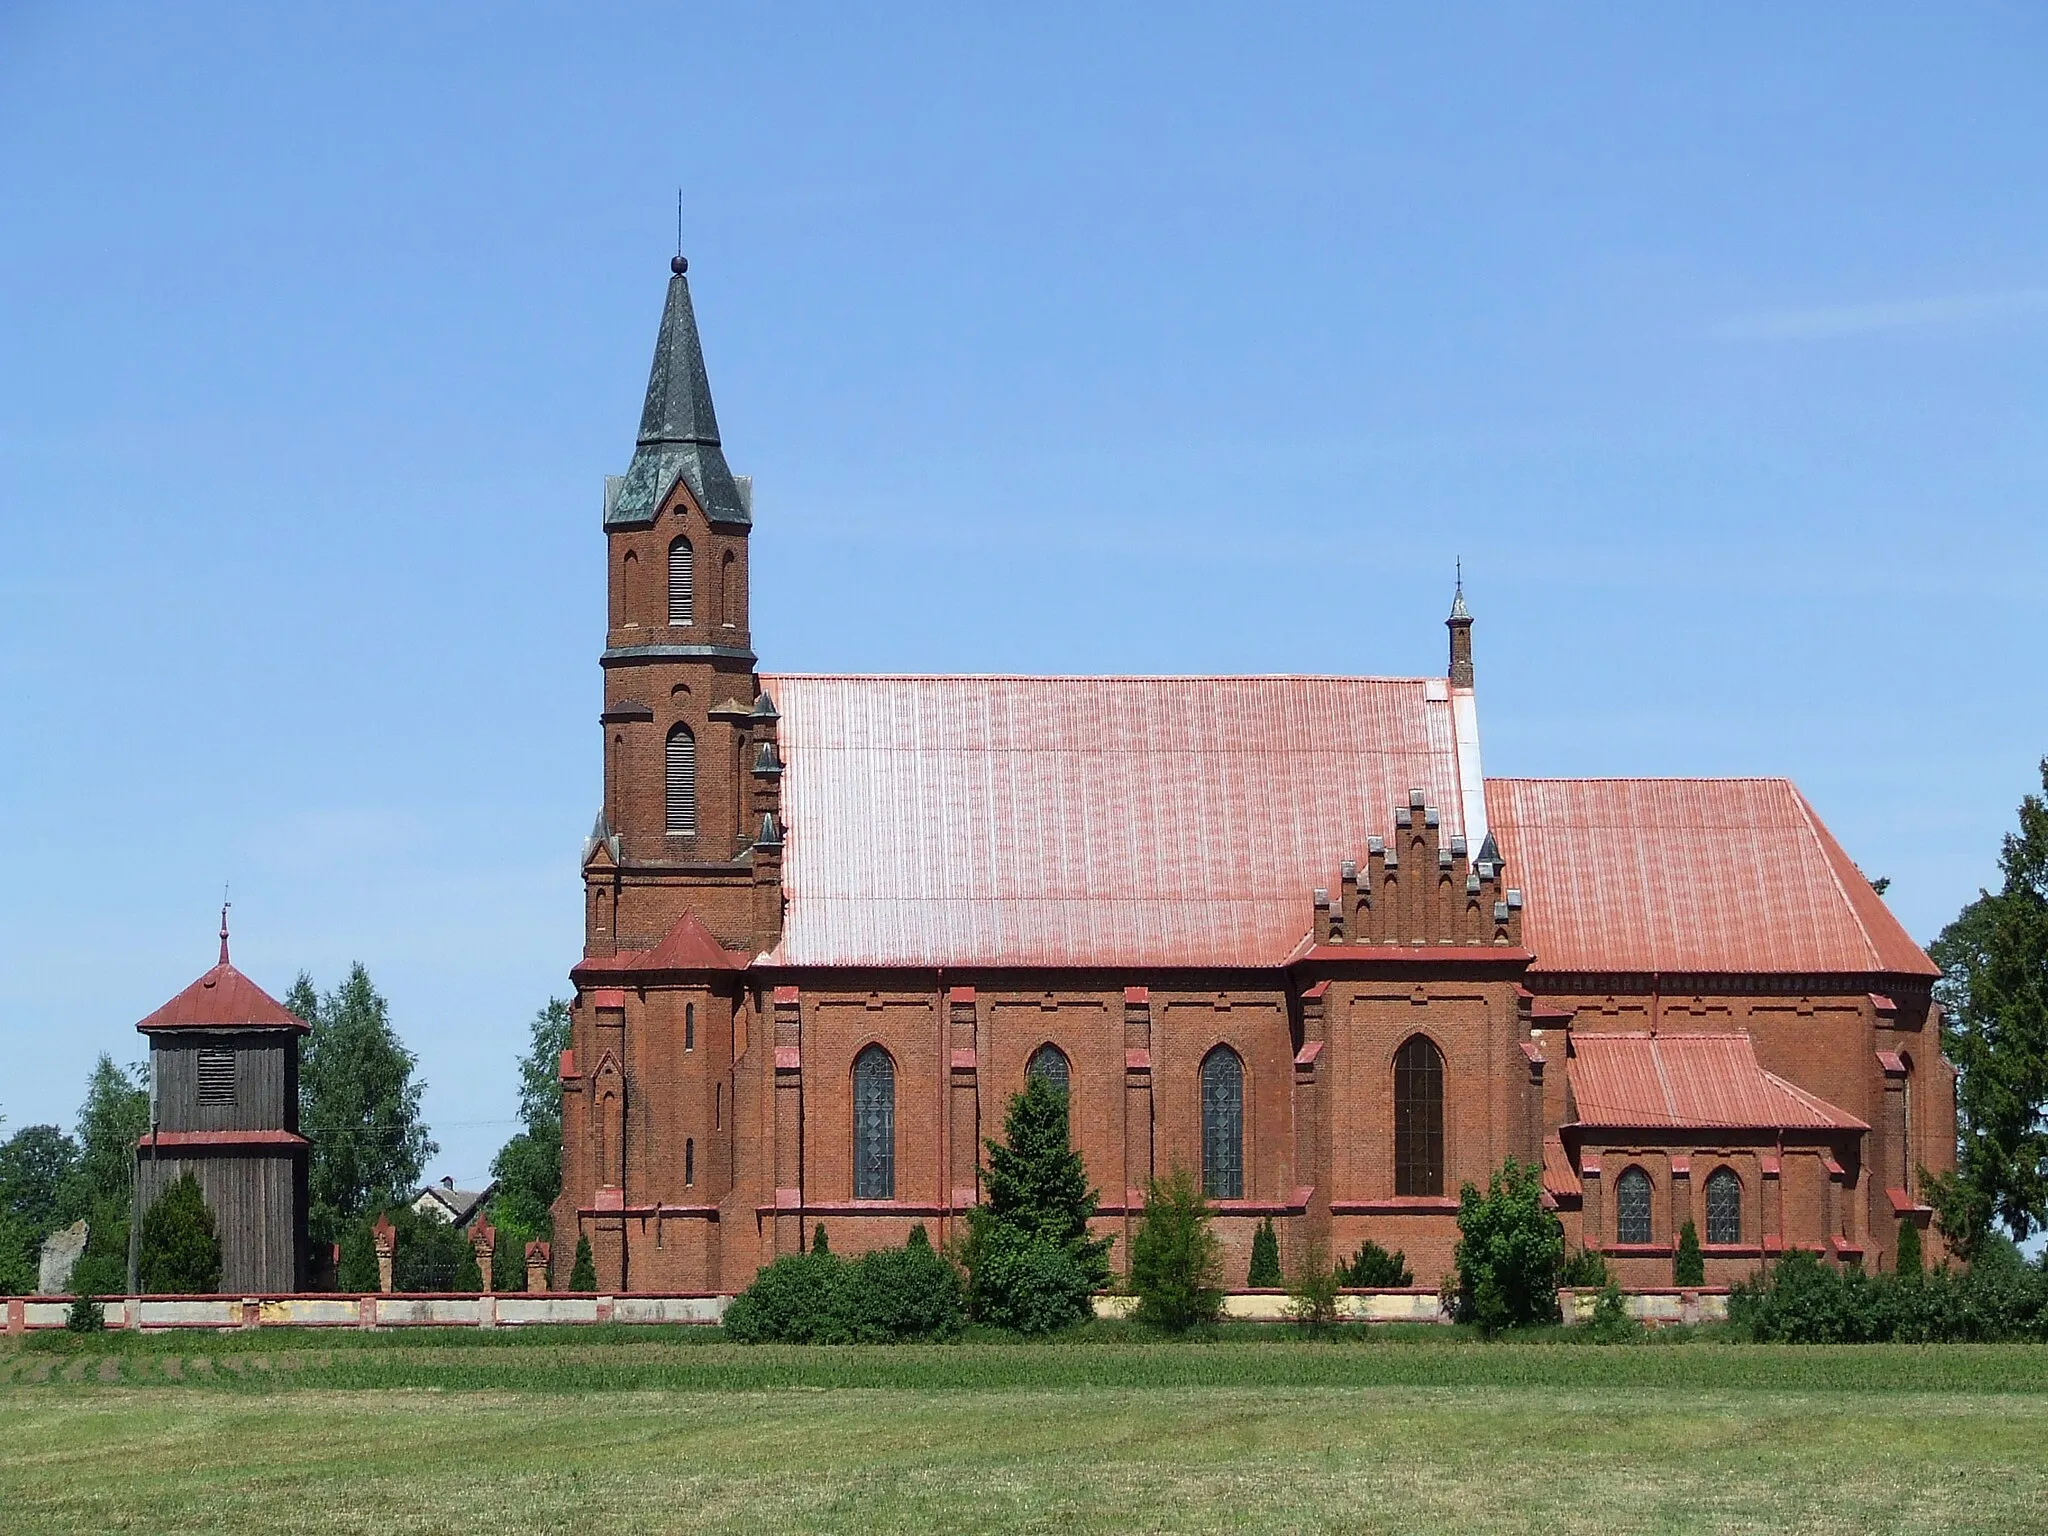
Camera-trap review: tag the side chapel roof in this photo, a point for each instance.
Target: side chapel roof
(1639, 1081)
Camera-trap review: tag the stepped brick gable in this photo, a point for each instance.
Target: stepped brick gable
(1282, 930)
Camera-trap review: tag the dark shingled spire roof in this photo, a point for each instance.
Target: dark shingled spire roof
(678, 428)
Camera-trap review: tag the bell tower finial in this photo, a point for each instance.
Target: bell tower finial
(224, 905)
(1460, 626)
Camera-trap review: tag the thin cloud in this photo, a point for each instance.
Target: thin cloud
(1893, 317)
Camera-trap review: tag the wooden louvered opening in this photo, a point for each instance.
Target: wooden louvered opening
(680, 578)
(682, 782)
(216, 1075)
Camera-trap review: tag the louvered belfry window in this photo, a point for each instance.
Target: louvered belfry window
(1724, 1206)
(216, 1075)
(682, 782)
(1418, 1118)
(1223, 1125)
(681, 575)
(874, 1125)
(1632, 1222)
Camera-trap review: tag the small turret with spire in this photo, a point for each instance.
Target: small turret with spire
(1460, 626)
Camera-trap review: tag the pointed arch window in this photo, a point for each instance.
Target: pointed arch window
(682, 782)
(1632, 1220)
(874, 1125)
(728, 591)
(1223, 1125)
(1050, 1063)
(1724, 1207)
(1419, 1118)
(681, 578)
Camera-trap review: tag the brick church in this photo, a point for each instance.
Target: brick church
(1281, 930)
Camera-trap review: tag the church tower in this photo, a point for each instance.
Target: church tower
(682, 734)
(682, 873)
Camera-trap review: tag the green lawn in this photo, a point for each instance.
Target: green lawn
(394, 1433)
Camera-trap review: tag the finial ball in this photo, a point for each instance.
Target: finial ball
(678, 265)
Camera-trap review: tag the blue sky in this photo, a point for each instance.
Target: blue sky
(1118, 339)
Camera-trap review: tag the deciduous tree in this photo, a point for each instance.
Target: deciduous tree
(1994, 996)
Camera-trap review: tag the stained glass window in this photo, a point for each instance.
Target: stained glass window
(874, 1125)
(1223, 1125)
(1418, 1119)
(1724, 1206)
(1050, 1063)
(1632, 1222)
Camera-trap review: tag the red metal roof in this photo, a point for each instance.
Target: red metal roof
(1089, 821)
(1658, 1082)
(1560, 1178)
(1729, 875)
(223, 999)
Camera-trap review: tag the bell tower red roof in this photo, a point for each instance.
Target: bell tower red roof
(223, 999)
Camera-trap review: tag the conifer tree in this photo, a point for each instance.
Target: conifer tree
(1265, 1266)
(1908, 1260)
(1032, 1263)
(1688, 1264)
(818, 1243)
(180, 1245)
(583, 1273)
(101, 1185)
(1176, 1266)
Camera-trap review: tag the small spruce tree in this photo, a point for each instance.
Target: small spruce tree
(1312, 1293)
(1908, 1261)
(180, 1245)
(1032, 1263)
(85, 1316)
(1265, 1269)
(583, 1273)
(818, 1243)
(1373, 1268)
(1688, 1264)
(1176, 1267)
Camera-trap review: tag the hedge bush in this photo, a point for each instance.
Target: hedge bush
(1509, 1251)
(1373, 1268)
(1801, 1300)
(885, 1296)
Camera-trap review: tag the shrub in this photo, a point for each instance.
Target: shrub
(1312, 1293)
(358, 1268)
(1688, 1264)
(180, 1247)
(1509, 1251)
(888, 1295)
(1176, 1268)
(818, 1243)
(1032, 1265)
(794, 1300)
(1265, 1267)
(1584, 1270)
(1908, 1260)
(902, 1293)
(1610, 1323)
(85, 1316)
(583, 1273)
(1373, 1268)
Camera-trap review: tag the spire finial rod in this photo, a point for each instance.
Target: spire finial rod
(224, 905)
(681, 263)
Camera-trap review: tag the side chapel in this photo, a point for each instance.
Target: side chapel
(1282, 930)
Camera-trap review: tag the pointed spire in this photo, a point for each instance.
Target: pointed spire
(678, 426)
(1460, 626)
(224, 932)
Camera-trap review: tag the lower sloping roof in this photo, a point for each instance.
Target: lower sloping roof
(223, 999)
(1670, 1082)
(1089, 821)
(1699, 875)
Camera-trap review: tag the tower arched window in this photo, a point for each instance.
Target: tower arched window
(1419, 1118)
(1632, 1221)
(1223, 1125)
(728, 590)
(874, 1125)
(689, 1160)
(689, 1026)
(629, 591)
(682, 782)
(681, 579)
(1050, 1063)
(1724, 1206)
